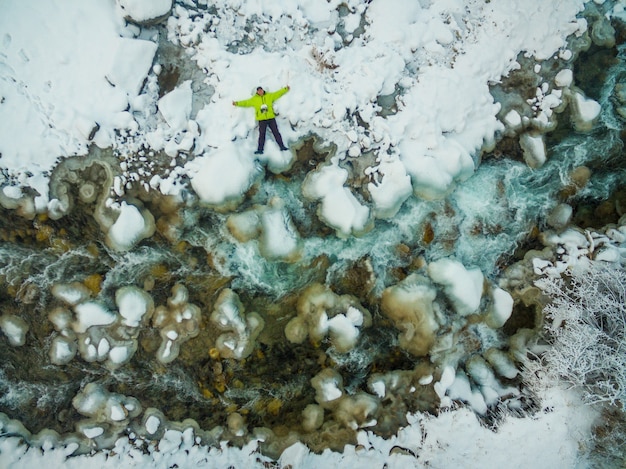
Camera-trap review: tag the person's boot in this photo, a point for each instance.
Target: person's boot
(258, 152)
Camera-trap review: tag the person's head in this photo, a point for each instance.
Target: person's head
(260, 91)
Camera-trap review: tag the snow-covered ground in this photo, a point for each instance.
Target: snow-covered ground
(401, 87)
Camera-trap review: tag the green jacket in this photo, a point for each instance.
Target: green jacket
(258, 101)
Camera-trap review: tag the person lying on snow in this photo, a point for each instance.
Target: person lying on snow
(262, 102)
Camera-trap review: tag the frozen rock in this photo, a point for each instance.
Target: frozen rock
(134, 305)
(338, 207)
(62, 350)
(500, 308)
(358, 411)
(15, 328)
(312, 417)
(71, 293)
(391, 187)
(461, 390)
(564, 78)
(501, 362)
(222, 177)
(321, 312)
(272, 226)
(560, 216)
(409, 304)
(241, 329)
(585, 111)
(236, 424)
(133, 225)
(534, 149)
(180, 317)
(603, 33)
(464, 287)
(328, 385)
(91, 313)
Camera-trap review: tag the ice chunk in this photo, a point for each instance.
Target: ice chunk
(534, 149)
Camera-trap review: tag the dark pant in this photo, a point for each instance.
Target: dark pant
(263, 129)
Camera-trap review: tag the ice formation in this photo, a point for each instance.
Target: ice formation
(410, 304)
(178, 321)
(321, 312)
(15, 328)
(241, 329)
(108, 413)
(272, 226)
(94, 331)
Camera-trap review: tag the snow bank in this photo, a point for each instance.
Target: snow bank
(58, 91)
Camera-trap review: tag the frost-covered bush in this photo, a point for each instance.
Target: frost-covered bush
(586, 325)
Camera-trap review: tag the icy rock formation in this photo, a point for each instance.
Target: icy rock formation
(94, 177)
(241, 329)
(321, 312)
(92, 330)
(108, 413)
(338, 207)
(178, 322)
(585, 111)
(410, 305)
(499, 309)
(133, 224)
(464, 287)
(15, 328)
(390, 187)
(312, 417)
(13, 198)
(534, 149)
(328, 385)
(353, 411)
(357, 411)
(217, 189)
(272, 226)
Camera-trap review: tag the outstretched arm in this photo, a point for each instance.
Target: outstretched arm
(245, 103)
(280, 92)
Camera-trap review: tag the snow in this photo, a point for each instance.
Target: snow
(143, 10)
(130, 227)
(463, 286)
(90, 314)
(216, 187)
(339, 208)
(175, 106)
(152, 424)
(133, 305)
(564, 78)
